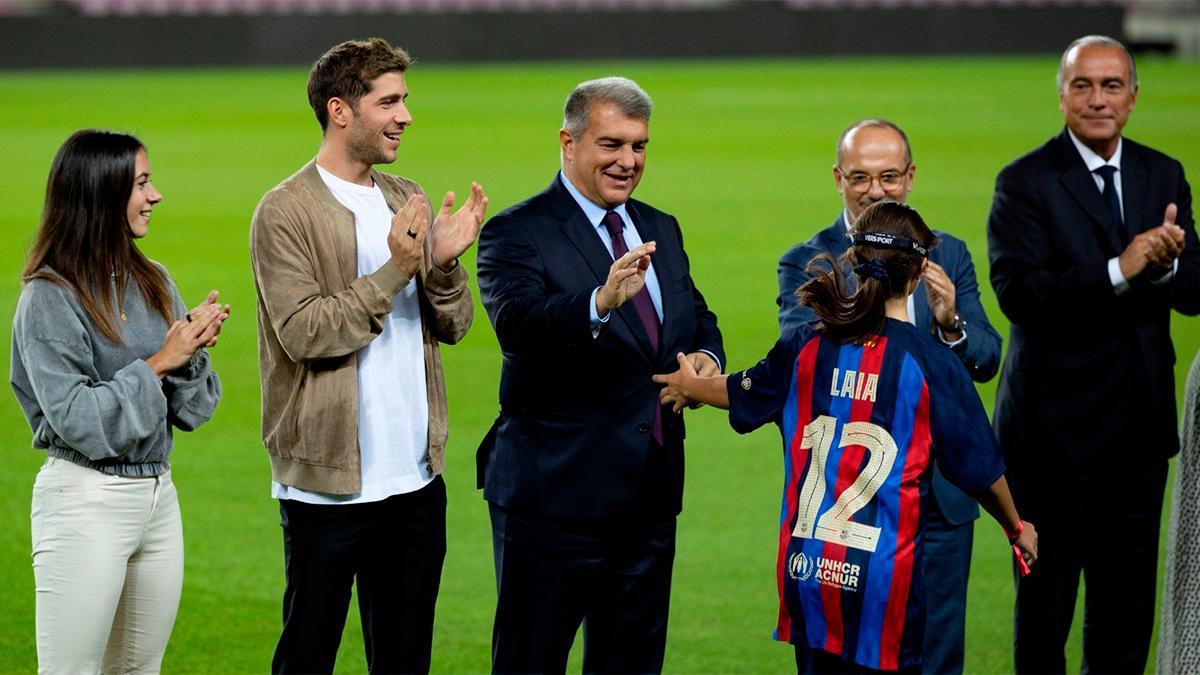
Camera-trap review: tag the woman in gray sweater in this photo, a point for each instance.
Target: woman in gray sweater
(106, 361)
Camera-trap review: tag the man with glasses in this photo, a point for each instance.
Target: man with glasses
(874, 162)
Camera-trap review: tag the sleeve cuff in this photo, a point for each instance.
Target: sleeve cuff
(1167, 276)
(594, 319)
(720, 366)
(444, 283)
(962, 339)
(390, 279)
(1119, 283)
(196, 367)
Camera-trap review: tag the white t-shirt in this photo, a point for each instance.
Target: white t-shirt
(393, 409)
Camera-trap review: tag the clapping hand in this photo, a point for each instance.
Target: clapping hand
(406, 238)
(1159, 246)
(454, 234)
(198, 328)
(221, 317)
(942, 295)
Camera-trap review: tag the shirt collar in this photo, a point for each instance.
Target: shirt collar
(593, 211)
(1091, 159)
(343, 184)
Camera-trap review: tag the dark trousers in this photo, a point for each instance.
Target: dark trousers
(553, 574)
(945, 565)
(1104, 526)
(393, 549)
(811, 661)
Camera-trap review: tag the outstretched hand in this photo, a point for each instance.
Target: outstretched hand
(674, 394)
(626, 277)
(705, 366)
(454, 234)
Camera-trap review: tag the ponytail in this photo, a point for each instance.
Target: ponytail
(890, 244)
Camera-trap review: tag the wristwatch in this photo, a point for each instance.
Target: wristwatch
(957, 327)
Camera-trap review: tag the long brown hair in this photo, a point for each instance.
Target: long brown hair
(882, 273)
(84, 236)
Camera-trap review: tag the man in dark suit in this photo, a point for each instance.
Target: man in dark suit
(874, 162)
(590, 293)
(1092, 244)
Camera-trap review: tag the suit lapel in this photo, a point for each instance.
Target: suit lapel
(582, 236)
(1135, 185)
(1080, 184)
(836, 237)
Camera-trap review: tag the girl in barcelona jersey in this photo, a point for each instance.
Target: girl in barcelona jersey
(865, 402)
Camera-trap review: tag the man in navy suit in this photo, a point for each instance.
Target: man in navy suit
(874, 162)
(1092, 244)
(590, 293)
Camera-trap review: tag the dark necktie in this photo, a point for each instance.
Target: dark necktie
(1109, 192)
(641, 302)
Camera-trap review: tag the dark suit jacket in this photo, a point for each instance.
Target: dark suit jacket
(1086, 368)
(980, 352)
(573, 435)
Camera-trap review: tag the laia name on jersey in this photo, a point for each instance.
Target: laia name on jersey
(856, 385)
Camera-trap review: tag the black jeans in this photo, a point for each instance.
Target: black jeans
(393, 549)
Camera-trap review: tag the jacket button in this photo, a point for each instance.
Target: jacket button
(643, 427)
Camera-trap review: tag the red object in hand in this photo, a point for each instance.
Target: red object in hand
(1021, 561)
(1012, 538)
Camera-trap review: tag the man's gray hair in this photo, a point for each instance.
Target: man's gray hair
(622, 92)
(1095, 41)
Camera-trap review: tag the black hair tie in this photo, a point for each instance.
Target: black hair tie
(874, 268)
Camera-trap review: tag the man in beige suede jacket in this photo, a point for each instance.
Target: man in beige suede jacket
(355, 290)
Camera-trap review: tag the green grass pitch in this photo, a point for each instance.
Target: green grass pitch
(741, 153)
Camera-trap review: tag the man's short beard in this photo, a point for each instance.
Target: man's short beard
(361, 146)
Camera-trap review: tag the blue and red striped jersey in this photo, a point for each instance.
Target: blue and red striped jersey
(861, 423)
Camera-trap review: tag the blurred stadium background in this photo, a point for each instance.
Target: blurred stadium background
(750, 97)
(98, 33)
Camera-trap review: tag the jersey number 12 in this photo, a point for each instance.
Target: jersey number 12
(835, 525)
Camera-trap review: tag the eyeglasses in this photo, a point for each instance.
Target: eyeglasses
(861, 182)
